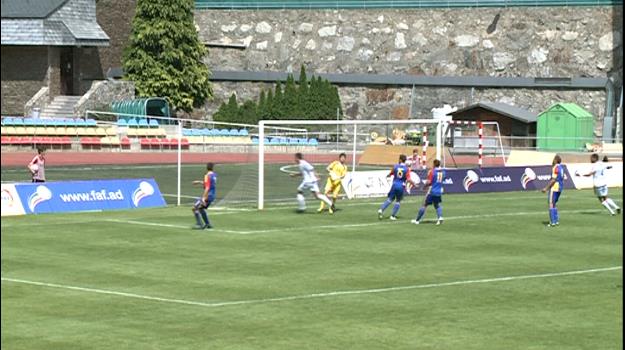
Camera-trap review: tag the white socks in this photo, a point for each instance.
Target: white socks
(325, 199)
(611, 203)
(607, 205)
(301, 201)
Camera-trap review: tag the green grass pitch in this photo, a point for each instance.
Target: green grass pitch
(491, 277)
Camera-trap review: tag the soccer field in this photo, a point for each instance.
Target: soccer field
(491, 277)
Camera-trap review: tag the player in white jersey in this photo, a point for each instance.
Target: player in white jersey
(600, 183)
(309, 181)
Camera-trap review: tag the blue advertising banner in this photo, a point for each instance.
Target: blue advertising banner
(71, 196)
(497, 179)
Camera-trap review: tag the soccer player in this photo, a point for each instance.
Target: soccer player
(414, 161)
(208, 196)
(555, 187)
(434, 196)
(337, 170)
(309, 181)
(600, 184)
(37, 166)
(400, 174)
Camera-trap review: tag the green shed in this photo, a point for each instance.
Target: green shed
(153, 106)
(564, 126)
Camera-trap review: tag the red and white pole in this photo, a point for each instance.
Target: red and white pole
(425, 148)
(480, 133)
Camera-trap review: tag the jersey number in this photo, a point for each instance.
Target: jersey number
(439, 177)
(400, 172)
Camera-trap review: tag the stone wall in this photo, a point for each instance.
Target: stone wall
(506, 42)
(115, 18)
(24, 71)
(102, 93)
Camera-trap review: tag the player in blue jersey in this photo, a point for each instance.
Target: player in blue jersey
(554, 189)
(400, 174)
(434, 195)
(208, 196)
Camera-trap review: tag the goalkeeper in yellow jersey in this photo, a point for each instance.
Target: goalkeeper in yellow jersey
(337, 171)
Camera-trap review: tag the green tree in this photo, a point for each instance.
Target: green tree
(268, 113)
(164, 55)
(291, 101)
(303, 93)
(247, 113)
(277, 105)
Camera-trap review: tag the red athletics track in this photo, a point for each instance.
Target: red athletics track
(92, 158)
(115, 158)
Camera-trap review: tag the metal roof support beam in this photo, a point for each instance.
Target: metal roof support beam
(430, 81)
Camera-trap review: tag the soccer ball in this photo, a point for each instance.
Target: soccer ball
(34, 168)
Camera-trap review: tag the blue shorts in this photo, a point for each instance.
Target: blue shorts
(433, 199)
(200, 205)
(553, 198)
(396, 193)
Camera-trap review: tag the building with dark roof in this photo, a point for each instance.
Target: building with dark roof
(49, 49)
(513, 121)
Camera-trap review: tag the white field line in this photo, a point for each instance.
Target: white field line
(347, 226)
(311, 295)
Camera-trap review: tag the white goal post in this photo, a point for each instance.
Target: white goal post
(262, 125)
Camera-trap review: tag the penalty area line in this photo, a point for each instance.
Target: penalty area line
(311, 295)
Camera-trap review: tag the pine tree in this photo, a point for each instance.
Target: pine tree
(232, 109)
(291, 104)
(248, 113)
(268, 115)
(303, 95)
(277, 106)
(165, 56)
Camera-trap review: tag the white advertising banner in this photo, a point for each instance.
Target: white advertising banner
(364, 184)
(11, 202)
(614, 174)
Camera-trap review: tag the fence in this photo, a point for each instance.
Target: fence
(377, 4)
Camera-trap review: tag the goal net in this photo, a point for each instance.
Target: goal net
(175, 152)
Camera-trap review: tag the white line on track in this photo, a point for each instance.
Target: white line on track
(338, 226)
(312, 295)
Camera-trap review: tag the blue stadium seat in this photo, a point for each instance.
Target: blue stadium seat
(7, 121)
(122, 122)
(154, 123)
(18, 121)
(80, 122)
(213, 132)
(205, 132)
(143, 123)
(196, 132)
(243, 132)
(224, 132)
(29, 121)
(255, 140)
(293, 141)
(132, 123)
(234, 132)
(186, 132)
(92, 122)
(275, 141)
(313, 142)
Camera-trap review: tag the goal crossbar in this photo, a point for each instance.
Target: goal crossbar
(268, 123)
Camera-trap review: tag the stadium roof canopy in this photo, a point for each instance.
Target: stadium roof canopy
(51, 23)
(520, 114)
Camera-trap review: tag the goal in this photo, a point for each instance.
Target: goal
(369, 145)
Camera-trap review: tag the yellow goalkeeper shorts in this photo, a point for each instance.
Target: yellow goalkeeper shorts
(333, 187)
